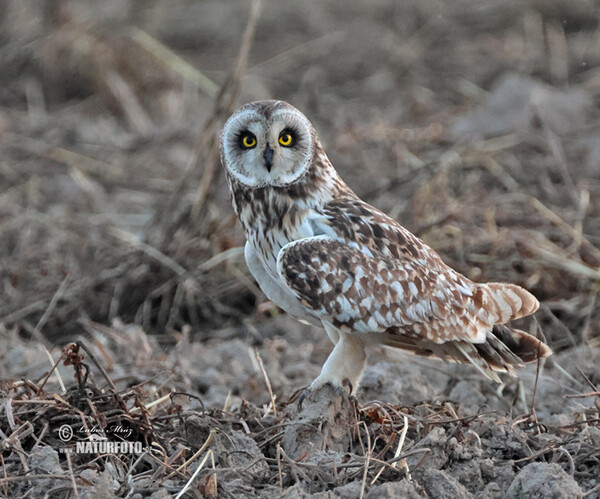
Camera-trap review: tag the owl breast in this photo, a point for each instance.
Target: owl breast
(268, 228)
(268, 235)
(272, 218)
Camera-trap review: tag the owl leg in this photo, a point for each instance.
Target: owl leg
(345, 363)
(332, 332)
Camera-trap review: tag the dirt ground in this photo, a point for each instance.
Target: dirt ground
(125, 301)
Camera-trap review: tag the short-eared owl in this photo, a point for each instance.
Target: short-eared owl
(328, 258)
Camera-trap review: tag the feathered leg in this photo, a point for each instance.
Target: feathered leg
(345, 362)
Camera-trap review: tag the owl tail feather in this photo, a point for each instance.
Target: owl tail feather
(505, 302)
(504, 350)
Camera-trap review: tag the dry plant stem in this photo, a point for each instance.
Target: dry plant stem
(193, 477)
(48, 375)
(318, 44)
(533, 455)
(552, 316)
(212, 461)
(207, 143)
(400, 445)
(74, 291)
(591, 491)
(175, 306)
(565, 453)
(555, 256)
(9, 414)
(26, 478)
(245, 280)
(592, 386)
(583, 395)
(68, 158)
(585, 330)
(559, 155)
(294, 466)
(227, 103)
(154, 403)
(230, 255)
(126, 97)
(164, 465)
(267, 381)
(397, 453)
(174, 62)
(190, 395)
(4, 484)
(149, 250)
(575, 234)
(196, 455)
(51, 306)
(368, 457)
(58, 376)
(98, 365)
(73, 482)
(42, 434)
(537, 373)
(279, 465)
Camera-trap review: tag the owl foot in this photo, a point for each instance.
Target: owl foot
(351, 397)
(344, 391)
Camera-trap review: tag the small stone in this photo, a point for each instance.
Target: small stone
(391, 490)
(437, 457)
(242, 451)
(541, 481)
(45, 459)
(440, 485)
(161, 494)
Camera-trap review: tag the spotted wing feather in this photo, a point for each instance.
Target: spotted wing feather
(365, 273)
(354, 290)
(438, 317)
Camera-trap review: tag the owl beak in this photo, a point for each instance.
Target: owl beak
(268, 155)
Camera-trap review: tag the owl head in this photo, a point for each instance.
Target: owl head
(267, 143)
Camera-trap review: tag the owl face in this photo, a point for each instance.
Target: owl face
(267, 143)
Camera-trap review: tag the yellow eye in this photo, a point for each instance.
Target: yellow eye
(248, 140)
(286, 139)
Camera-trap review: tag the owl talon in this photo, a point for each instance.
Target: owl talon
(348, 383)
(351, 397)
(353, 400)
(305, 392)
(340, 392)
(341, 389)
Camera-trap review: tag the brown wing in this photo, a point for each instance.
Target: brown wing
(352, 289)
(371, 274)
(366, 273)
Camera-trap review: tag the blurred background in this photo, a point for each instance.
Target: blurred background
(475, 125)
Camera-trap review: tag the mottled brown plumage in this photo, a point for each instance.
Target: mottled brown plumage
(330, 259)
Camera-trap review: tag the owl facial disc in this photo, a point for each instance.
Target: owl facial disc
(267, 143)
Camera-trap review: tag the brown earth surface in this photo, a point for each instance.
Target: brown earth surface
(126, 304)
